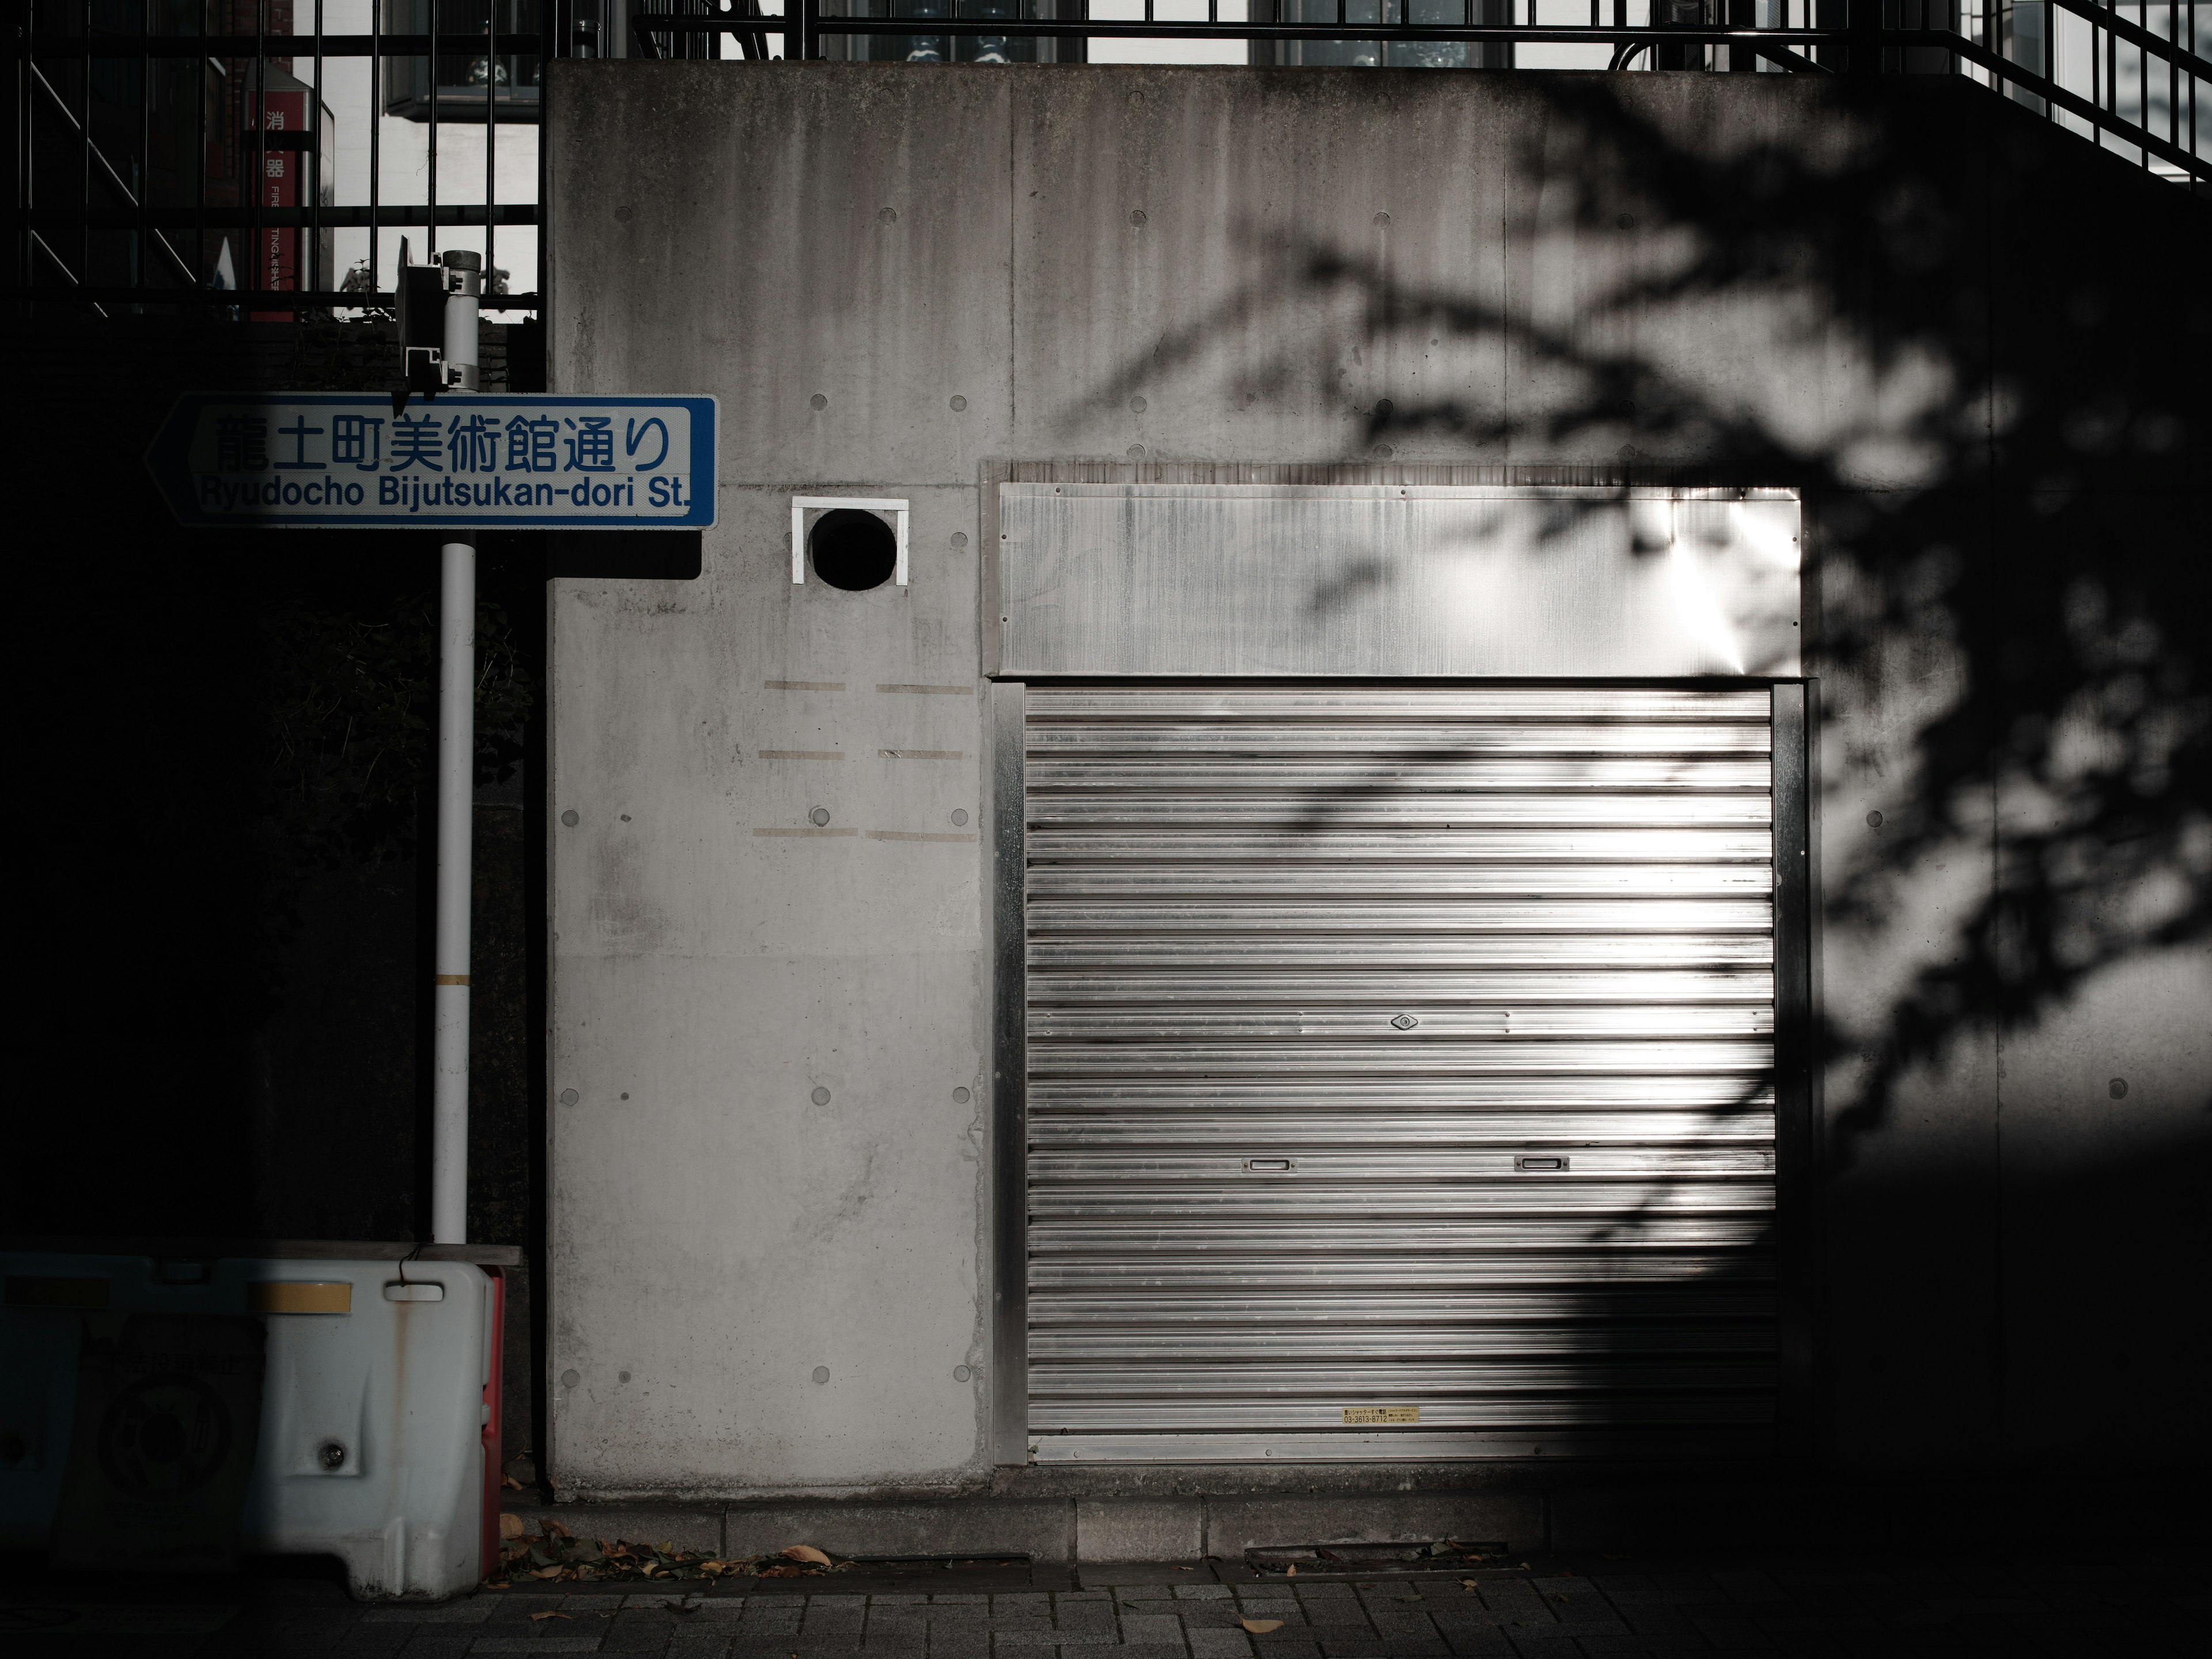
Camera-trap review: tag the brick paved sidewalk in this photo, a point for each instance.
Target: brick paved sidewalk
(1562, 1609)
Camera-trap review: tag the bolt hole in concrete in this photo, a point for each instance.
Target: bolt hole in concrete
(569, 1379)
(1137, 215)
(568, 818)
(960, 815)
(818, 401)
(820, 1096)
(333, 1455)
(623, 215)
(569, 1096)
(1137, 404)
(821, 1373)
(960, 1373)
(852, 550)
(886, 215)
(959, 403)
(818, 817)
(960, 538)
(1381, 218)
(2118, 1087)
(961, 1097)
(1136, 452)
(1873, 820)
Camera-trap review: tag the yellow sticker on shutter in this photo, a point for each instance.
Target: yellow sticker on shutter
(1382, 1413)
(299, 1297)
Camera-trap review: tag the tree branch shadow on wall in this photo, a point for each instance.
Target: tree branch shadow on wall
(2019, 513)
(2008, 595)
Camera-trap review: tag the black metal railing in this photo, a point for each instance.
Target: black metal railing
(174, 152)
(2130, 74)
(265, 156)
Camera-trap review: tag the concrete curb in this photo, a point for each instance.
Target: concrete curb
(1185, 1527)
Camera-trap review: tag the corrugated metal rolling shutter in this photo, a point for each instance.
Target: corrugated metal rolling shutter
(1400, 1072)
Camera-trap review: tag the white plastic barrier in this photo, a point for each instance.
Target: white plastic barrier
(375, 1436)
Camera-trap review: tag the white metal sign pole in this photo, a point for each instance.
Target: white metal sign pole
(457, 654)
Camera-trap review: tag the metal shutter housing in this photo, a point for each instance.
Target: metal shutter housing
(1399, 1071)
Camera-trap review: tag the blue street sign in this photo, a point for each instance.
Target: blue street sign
(343, 460)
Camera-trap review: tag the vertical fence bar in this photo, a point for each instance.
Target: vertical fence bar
(552, 43)
(145, 181)
(19, 229)
(2173, 78)
(259, 182)
(431, 235)
(375, 132)
(491, 126)
(84, 147)
(200, 66)
(2111, 61)
(2096, 83)
(315, 279)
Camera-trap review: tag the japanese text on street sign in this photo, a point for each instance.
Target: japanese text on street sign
(512, 461)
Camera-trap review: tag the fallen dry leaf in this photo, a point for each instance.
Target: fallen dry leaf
(1466, 1583)
(803, 1553)
(510, 1526)
(552, 1615)
(510, 1483)
(546, 1572)
(554, 1530)
(1261, 1626)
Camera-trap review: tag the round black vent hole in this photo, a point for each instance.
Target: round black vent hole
(852, 550)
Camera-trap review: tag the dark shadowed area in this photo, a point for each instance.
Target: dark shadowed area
(232, 740)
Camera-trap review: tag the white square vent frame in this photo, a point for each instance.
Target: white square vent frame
(803, 504)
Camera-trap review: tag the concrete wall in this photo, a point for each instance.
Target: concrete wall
(1928, 310)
